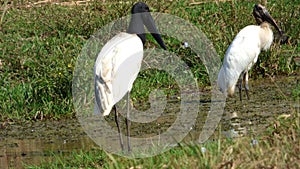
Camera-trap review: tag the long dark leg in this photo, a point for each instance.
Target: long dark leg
(119, 130)
(240, 85)
(246, 84)
(128, 122)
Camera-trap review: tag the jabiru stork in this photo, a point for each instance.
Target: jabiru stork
(118, 64)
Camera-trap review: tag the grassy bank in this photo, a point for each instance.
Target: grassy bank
(40, 44)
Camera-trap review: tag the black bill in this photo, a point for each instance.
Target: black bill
(261, 15)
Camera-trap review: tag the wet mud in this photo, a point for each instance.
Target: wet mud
(34, 142)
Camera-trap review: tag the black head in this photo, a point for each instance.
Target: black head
(139, 7)
(261, 15)
(141, 16)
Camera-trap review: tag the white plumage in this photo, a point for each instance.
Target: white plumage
(242, 54)
(119, 63)
(116, 68)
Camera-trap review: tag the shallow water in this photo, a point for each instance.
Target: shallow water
(32, 143)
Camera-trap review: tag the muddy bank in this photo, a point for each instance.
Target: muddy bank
(31, 143)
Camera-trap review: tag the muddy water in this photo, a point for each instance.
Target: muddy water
(32, 143)
(269, 98)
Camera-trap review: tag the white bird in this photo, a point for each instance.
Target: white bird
(119, 62)
(243, 52)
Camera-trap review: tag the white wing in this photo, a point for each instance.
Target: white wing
(240, 55)
(116, 68)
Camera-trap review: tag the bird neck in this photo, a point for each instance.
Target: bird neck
(266, 36)
(136, 26)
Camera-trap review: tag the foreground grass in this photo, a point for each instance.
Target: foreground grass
(277, 147)
(39, 46)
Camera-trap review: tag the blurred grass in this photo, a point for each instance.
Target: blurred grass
(40, 42)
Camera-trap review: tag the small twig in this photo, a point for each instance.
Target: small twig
(51, 2)
(203, 2)
(198, 3)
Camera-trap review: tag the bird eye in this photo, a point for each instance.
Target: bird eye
(258, 7)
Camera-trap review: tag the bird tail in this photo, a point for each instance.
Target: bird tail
(103, 97)
(230, 90)
(221, 81)
(225, 82)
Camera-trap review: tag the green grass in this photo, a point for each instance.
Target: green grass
(40, 45)
(277, 147)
